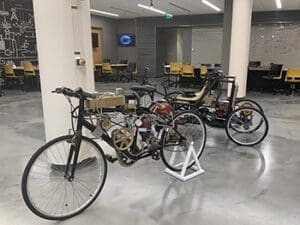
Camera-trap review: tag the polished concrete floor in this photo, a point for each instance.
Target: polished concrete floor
(241, 185)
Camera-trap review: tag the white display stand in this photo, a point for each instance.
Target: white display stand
(181, 175)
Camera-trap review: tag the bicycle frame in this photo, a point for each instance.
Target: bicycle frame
(82, 122)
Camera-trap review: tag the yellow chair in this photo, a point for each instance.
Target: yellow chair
(188, 71)
(292, 77)
(30, 74)
(106, 71)
(28, 69)
(106, 68)
(175, 70)
(9, 71)
(203, 71)
(11, 77)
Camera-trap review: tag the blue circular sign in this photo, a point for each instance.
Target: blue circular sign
(125, 39)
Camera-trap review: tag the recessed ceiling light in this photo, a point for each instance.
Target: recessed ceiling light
(278, 4)
(151, 8)
(209, 4)
(103, 13)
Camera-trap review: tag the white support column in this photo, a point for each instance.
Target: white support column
(240, 42)
(56, 43)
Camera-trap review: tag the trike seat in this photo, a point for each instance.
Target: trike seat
(192, 96)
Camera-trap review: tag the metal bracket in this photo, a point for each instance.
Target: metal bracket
(182, 175)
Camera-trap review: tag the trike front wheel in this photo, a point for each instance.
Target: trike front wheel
(247, 126)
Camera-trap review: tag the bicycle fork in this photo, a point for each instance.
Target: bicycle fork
(73, 154)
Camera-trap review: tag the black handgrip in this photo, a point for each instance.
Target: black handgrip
(85, 94)
(77, 93)
(89, 95)
(65, 91)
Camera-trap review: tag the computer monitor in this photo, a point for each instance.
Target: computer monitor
(254, 64)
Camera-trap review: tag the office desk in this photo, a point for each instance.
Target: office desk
(196, 69)
(255, 82)
(113, 65)
(119, 67)
(20, 69)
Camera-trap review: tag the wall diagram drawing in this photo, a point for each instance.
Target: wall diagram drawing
(17, 32)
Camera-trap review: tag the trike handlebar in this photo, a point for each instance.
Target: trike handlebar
(77, 93)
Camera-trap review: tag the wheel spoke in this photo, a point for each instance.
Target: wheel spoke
(49, 193)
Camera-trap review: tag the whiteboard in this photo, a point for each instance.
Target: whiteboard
(269, 44)
(276, 43)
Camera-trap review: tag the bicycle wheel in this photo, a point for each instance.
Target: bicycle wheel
(48, 193)
(248, 103)
(191, 127)
(247, 127)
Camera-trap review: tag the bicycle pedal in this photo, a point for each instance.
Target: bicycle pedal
(111, 159)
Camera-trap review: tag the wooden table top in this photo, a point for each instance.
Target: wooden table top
(113, 65)
(196, 67)
(262, 69)
(22, 68)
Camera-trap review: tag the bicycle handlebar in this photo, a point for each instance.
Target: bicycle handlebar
(77, 93)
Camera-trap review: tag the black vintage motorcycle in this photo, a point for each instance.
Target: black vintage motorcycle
(66, 175)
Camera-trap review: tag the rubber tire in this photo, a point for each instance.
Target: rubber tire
(249, 145)
(251, 101)
(32, 160)
(205, 135)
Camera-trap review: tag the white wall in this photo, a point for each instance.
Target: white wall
(207, 45)
(109, 36)
(110, 30)
(127, 26)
